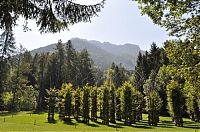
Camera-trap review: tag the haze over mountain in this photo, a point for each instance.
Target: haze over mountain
(103, 54)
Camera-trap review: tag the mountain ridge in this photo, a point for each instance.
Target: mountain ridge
(102, 53)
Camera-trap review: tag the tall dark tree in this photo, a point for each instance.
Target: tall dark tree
(7, 47)
(118, 104)
(175, 102)
(51, 99)
(127, 103)
(71, 63)
(153, 100)
(77, 105)
(68, 101)
(86, 104)
(61, 68)
(94, 104)
(41, 82)
(85, 73)
(105, 106)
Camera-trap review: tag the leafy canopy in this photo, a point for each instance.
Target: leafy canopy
(179, 17)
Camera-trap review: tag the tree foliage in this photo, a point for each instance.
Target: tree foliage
(50, 16)
(178, 17)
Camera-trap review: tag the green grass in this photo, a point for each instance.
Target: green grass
(24, 121)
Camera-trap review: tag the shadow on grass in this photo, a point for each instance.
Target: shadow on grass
(191, 125)
(116, 125)
(52, 122)
(166, 124)
(69, 122)
(37, 112)
(92, 125)
(142, 124)
(7, 113)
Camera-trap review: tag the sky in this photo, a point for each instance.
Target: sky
(119, 22)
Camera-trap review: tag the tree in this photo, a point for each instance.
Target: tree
(7, 47)
(163, 78)
(112, 103)
(138, 102)
(94, 104)
(77, 106)
(51, 101)
(61, 68)
(112, 97)
(86, 104)
(50, 16)
(184, 58)
(153, 103)
(65, 101)
(118, 104)
(85, 70)
(153, 100)
(105, 107)
(68, 101)
(175, 102)
(140, 72)
(127, 103)
(41, 80)
(71, 63)
(178, 17)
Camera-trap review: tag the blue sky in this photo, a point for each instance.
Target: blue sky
(119, 22)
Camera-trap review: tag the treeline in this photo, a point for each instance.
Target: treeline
(165, 82)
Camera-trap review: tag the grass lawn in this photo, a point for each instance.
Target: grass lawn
(24, 121)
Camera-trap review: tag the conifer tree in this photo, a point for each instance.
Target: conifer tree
(127, 103)
(52, 98)
(153, 100)
(7, 47)
(86, 104)
(118, 104)
(41, 80)
(105, 107)
(77, 106)
(65, 101)
(94, 104)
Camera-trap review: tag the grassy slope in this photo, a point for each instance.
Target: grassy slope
(25, 122)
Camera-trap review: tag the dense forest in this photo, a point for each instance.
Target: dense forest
(165, 80)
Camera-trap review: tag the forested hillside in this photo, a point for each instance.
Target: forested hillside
(125, 54)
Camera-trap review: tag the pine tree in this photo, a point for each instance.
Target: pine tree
(94, 104)
(105, 107)
(153, 100)
(77, 107)
(65, 101)
(50, 16)
(71, 63)
(118, 105)
(68, 101)
(41, 80)
(61, 71)
(51, 99)
(85, 74)
(7, 47)
(86, 104)
(127, 103)
(138, 101)
(112, 103)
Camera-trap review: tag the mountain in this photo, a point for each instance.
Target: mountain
(103, 54)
